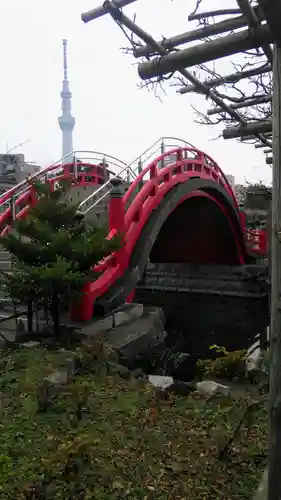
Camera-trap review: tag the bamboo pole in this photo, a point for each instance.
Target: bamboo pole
(204, 52)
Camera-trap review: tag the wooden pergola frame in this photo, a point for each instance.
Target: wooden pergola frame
(261, 29)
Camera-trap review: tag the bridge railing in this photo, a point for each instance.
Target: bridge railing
(134, 168)
(184, 161)
(180, 160)
(15, 202)
(175, 165)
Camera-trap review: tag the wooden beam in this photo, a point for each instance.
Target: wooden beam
(272, 12)
(124, 20)
(247, 130)
(249, 138)
(254, 21)
(198, 16)
(232, 78)
(197, 34)
(204, 52)
(261, 146)
(102, 11)
(249, 102)
(274, 449)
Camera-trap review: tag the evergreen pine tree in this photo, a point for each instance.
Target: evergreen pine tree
(53, 252)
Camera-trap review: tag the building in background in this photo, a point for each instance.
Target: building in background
(66, 120)
(14, 169)
(231, 180)
(240, 193)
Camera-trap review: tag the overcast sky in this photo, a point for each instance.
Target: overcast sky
(112, 114)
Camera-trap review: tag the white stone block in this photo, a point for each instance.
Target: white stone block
(209, 387)
(58, 378)
(160, 381)
(31, 344)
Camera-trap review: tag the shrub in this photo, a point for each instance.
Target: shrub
(228, 365)
(53, 252)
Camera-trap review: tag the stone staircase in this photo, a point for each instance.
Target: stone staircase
(5, 260)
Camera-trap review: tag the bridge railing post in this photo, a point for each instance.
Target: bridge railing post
(162, 149)
(13, 208)
(140, 168)
(117, 217)
(75, 168)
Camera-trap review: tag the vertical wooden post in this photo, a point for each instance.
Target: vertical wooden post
(274, 460)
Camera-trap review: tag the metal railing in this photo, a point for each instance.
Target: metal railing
(135, 168)
(8, 199)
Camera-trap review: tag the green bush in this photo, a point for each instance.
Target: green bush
(53, 253)
(228, 365)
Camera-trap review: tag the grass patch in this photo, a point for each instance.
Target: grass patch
(101, 437)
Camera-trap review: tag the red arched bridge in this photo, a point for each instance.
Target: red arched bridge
(173, 204)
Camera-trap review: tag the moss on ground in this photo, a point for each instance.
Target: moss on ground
(105, 438)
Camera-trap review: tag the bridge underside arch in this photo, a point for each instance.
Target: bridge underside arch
(155, 228)
(198, 231)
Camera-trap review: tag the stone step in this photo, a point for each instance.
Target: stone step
(6, 265)
(120, 317)
(137, 334)
(183, 285)
(8, 323)
(4, 255)
(214, 271)
(245, 281)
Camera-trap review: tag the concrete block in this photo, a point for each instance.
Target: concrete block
(137, 341)
(129, 312)
(97, 326)
(120, 318)
(125, 314)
